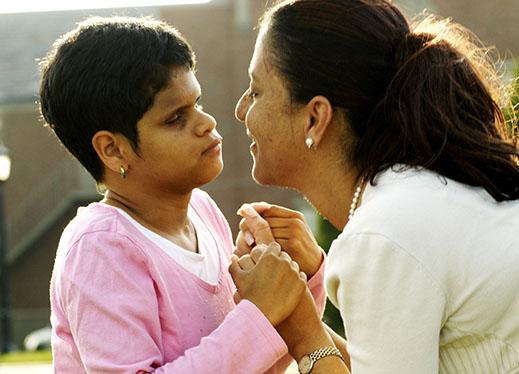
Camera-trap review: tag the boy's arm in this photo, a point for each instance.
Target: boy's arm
(111, 305)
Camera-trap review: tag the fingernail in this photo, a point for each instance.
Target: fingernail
(249, 238)
(247, 210)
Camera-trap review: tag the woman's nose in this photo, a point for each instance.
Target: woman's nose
(241, 108)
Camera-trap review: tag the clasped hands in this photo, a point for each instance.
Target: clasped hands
(275, 254)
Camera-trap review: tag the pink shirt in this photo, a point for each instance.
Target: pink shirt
(120, 304)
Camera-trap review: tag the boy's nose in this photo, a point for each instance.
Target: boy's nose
(207, 124)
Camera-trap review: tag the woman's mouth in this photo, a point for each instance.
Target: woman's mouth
(253, 144)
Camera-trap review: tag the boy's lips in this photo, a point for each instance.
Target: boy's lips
(214, 146)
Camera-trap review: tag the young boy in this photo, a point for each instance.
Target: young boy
(140, 281)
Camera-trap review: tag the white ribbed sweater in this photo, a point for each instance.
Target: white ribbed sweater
(426, 276)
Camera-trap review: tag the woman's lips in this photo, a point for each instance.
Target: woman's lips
(253, 144)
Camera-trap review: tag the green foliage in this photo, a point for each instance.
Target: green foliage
(325, 234)
(38, 356)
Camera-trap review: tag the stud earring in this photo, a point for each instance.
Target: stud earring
(122, 172)
(309, 142)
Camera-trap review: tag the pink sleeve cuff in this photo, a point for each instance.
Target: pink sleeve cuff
(316, 286)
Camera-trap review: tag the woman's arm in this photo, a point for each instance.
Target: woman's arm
(340, 343)
(304, 333)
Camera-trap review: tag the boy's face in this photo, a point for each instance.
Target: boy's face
(179, 147)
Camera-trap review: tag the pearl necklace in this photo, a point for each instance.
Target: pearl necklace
(355, 200)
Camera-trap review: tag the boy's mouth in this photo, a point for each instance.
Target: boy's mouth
(214, 147)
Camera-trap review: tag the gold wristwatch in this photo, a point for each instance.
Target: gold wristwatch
(306, 363)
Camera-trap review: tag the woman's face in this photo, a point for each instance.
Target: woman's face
(272, 122)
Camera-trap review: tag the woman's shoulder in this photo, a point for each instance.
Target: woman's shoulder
(403, 194)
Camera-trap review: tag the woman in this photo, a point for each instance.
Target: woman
(395, 134)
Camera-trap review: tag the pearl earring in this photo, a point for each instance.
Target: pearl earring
(309, 142)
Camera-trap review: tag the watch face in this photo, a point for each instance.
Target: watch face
(305, 365)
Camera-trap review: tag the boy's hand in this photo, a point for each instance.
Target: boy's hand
(273, 283)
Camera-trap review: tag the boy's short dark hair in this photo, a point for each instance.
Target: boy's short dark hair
(104, 75)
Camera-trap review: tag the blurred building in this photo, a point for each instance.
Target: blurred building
(47, 185)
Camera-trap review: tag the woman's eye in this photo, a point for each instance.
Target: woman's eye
(199, 106)
(252, 94)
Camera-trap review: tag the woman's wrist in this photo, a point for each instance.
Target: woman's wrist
(303, 330)
(308, 342)
(317, 263)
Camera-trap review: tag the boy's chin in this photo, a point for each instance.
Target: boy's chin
(212, 175)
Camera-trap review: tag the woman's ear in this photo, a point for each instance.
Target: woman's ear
(320, 112)
(111, 149)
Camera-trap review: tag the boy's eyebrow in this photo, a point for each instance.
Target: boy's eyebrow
(177, 108)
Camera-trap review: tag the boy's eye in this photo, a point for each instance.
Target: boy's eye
(199, 106)
(173, 120)
(252, 94)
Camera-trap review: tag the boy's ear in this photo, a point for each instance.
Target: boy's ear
(111, 149)
(320, 113)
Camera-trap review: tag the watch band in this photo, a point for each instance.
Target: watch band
(307, 362)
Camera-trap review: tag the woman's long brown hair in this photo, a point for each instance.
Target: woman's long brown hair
(425, 95)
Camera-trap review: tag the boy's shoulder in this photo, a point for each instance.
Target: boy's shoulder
(202, 202)
(210, 214)
(94, 218)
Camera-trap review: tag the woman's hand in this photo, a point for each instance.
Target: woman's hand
(288, 228)
(270, 279)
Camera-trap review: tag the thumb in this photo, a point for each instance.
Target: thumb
(256, 253)
(236, 297)
(261, 207)
(258, 226)
(235, 269)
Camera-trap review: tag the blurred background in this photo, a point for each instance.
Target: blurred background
(45, 185)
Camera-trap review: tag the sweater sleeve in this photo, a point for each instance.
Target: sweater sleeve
(110, 302)
(391, 306)
(316, 286)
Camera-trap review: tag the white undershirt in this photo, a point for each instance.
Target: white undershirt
(205, 264)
